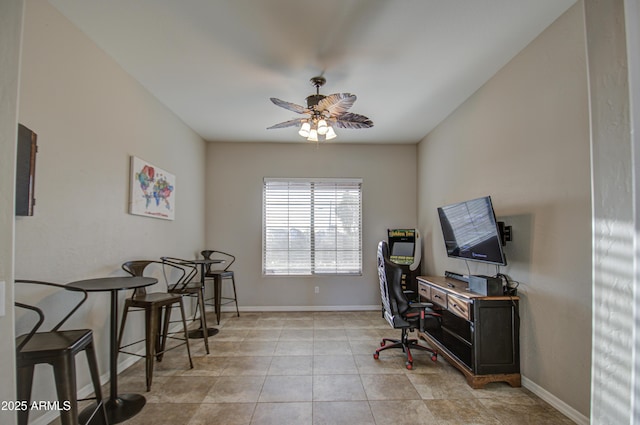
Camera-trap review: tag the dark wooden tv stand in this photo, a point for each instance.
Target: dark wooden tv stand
(479, 334)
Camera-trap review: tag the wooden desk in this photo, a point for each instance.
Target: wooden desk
(479, 334)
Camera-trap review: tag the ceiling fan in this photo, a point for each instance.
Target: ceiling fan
(324, 113)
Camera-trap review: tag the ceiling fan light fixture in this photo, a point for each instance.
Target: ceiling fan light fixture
(313, 135)
(321, 111)
(305, 129)
(322, 127)
(330, 133)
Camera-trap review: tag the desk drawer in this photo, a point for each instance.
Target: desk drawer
(424, 291)
(459, 307)
(439, 297)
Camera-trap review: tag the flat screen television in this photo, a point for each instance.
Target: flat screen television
(471, 232)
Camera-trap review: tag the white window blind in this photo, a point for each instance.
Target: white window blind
(312, 226)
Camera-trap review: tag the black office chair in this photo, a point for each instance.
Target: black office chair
(218, 274)
(57, 348)
(400, 313)
(156, 305)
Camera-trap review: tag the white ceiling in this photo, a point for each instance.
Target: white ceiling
(216, 63)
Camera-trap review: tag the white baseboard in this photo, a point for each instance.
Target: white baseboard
(558, 404)
(263, 308)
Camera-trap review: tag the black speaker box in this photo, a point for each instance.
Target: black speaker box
(485, 285)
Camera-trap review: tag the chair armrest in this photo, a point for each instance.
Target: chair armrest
(65, 287)
(35, 328)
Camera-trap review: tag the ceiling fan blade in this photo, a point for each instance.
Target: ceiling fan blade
(290, 106)
(351, 120)
(290, 123)
(337, 104)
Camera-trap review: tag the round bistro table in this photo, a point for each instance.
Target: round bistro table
(120, 407)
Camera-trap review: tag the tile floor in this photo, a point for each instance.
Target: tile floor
(317, 368)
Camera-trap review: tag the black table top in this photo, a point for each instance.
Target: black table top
(114, 283)
(203, 261)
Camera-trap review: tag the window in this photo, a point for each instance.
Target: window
(312, 227)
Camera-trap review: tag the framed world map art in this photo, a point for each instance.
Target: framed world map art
(152, 191)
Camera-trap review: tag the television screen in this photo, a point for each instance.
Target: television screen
(402, 249)
(470, 231)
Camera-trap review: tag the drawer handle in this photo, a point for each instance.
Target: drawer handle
(460, 309)
(437, 296)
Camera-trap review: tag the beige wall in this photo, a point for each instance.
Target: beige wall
(523, 138)
(90, 116)
(615, 213)
(10, 40)
(234, 213)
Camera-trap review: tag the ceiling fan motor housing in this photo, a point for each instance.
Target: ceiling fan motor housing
(312, 100)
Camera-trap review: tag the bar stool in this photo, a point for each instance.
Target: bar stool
(153, 305)
(186, 286)
(57, 348)
(218, 275)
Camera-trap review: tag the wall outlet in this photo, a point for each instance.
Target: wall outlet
(317, 290)
(2, 298)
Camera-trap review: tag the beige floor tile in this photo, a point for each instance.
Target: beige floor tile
(154, 413)
(328, 323)
(294, 348)
(207, 366)
(334, 364)
(402, 412)
(222, 348)
(296, 335)
(327, 334)
(256, 348)
(342, 413)
(286, 388)
(262, 335)
(464, 411)
(298, 324)
(247, 366)
(230, 335)
(338, 388)
(371, 335)
(361, 324)
(222, 414)
(389, 387)
(282, 413)
(235, 389)
(363, 347)
(524, 410)
(324, 348)
(178, 389)
(391, 363)
(439, 386)
(269, 324)
(291, 365)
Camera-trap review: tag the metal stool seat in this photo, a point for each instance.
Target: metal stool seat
(59, 349)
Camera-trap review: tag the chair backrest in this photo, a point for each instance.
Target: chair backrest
(40, 313)
(137, 268)
(211, 254)
(178, 273)
(394, 301)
